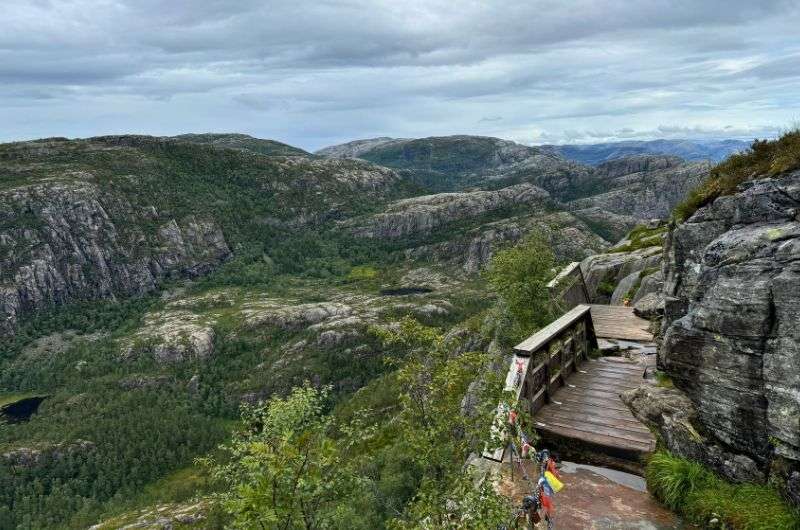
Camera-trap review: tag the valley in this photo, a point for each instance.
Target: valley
(150, 286)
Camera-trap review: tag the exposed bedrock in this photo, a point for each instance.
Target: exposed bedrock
(731, 332)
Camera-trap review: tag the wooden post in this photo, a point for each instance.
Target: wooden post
(547, 373)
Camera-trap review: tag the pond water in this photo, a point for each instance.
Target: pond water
(400, 291)
(21, 410)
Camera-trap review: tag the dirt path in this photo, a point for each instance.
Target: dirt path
(597, 498)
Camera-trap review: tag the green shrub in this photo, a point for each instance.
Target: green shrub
(696, 493)
(606, 288)
(764, 159)
(642, 237)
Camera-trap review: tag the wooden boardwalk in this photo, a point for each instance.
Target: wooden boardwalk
(589, 409)
(574, 397)
(619, 322)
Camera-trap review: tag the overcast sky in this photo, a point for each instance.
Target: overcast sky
(314, 73)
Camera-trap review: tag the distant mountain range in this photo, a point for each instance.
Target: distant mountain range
(592, 154)
(713, 150)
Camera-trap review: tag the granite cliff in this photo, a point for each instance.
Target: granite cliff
(730, 339)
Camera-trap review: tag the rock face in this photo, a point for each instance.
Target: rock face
(644, 186)
(465, 229)
(66, 241)
(731, 339)
(674, 416)
(421, 215)
(609, 277)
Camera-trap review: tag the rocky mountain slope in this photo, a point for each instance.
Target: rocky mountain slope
(115, 216)
(641, 187)
(454, 163)
(645, 187)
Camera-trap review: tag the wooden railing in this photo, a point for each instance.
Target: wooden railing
(542, 362)
(549, 356)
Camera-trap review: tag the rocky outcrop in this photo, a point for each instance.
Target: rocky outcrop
(161, 517)
(421, 215)
(569, 238)
(644, 187)
(670, 413)
(29, 457)
(731, 339)
(172, 336)
(610, 277)
(67, 241)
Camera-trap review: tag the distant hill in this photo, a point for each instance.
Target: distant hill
(453, 163)
(623, 185)
(244, 142)
(693, 150)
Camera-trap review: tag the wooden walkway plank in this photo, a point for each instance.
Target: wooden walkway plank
(619, 322)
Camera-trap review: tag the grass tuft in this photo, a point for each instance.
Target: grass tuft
(765, 158)
(692, 490)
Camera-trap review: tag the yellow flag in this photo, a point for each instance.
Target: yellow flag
(554, 482)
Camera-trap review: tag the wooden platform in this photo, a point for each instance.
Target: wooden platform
(619, 322)
(588, 407)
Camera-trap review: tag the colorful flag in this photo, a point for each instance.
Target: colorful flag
(553, 481)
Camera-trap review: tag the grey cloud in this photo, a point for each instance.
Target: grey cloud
(315, 72)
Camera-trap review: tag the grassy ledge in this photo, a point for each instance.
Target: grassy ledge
(764, 159)
(699, 495)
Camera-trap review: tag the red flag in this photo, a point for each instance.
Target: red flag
(547, 505)
(551, 467)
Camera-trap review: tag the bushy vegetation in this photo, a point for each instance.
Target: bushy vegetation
(698, 494)
(765, 158)
(642, 237)
(392, 457)
(520, 275)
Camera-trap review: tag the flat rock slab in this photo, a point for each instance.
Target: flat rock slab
(590, 500)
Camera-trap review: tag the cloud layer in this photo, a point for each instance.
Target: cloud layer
(312, 73)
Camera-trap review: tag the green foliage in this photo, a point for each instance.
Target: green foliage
(606, 288)
(765, 158)
(695, 492)
(642, 237)
(520, 275)
(663, 380)
(131, 445)
(284, 469)
(392, 456)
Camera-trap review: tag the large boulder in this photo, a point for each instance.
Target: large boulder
(672, 414)
(603, 273)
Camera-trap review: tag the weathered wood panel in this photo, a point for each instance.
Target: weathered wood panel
(619, 322)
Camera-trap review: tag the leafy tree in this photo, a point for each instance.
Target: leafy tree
(520, 275)
(438, 436)
(294, 467)
(285, 471)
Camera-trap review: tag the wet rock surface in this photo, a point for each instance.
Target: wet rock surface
(596, 498)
